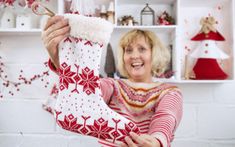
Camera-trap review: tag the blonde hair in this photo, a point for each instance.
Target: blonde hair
(160, 54)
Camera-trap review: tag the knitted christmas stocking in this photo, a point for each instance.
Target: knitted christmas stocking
(80, 107)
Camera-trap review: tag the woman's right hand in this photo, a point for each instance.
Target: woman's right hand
(55, 30)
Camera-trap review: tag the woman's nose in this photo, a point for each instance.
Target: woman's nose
(135, 54)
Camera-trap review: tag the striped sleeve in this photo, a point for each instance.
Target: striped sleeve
(107, 88)
(168, 114)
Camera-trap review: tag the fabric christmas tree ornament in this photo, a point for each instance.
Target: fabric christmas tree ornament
(208, 36)
(206, 68)
(208, 49)
(80, 107)
(207, 52)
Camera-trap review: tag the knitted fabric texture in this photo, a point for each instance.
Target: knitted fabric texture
(80, 107)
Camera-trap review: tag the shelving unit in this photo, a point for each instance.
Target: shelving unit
(187, 14)
(133, 8)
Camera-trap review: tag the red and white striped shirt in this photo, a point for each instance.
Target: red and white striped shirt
(156, 108)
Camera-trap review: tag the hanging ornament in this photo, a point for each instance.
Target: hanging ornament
(80, 100)
(80, 107)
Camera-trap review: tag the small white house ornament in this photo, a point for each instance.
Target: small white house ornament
(8, 18)
(23, 21)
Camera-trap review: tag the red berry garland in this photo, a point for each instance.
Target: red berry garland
(21, 80)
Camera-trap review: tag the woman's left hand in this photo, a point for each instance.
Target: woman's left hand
(143, 140)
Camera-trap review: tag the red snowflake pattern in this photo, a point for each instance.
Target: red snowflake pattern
(69, 123)
(84, 129)
(88, 81)
(66, 76)
(100, 129)
(130, 127)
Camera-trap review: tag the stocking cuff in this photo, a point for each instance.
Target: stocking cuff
(91, 28)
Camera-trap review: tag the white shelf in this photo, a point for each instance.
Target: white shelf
(205, 81)
(177, 35)
(166, 80)
(14, 31)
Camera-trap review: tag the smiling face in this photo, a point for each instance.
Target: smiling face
(137, 59)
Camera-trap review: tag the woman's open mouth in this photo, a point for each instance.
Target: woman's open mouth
(137, 65)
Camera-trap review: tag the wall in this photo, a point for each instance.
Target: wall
(208, 119)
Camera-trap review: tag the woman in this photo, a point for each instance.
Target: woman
(155, 107)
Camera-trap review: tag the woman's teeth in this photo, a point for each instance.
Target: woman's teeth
(137, 64)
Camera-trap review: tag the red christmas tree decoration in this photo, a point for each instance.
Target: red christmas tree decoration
(207, 53)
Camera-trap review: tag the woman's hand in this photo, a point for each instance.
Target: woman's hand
(56, 29)
(143, 140)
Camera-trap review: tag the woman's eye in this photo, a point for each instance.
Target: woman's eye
(142, 49)
(128, 50)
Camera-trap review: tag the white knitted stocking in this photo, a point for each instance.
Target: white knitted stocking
(80, 107)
